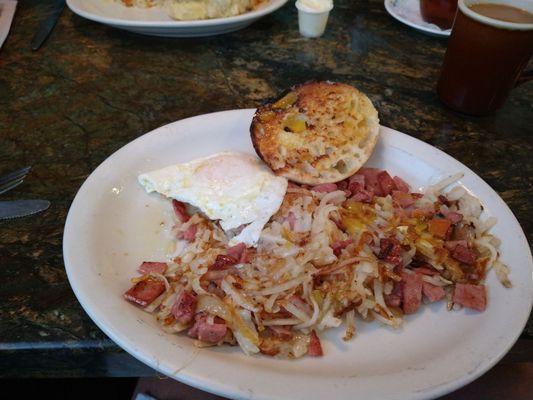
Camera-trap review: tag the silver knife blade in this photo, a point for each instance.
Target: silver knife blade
(22, 208)
(47, 25)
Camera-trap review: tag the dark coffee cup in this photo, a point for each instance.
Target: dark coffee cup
(485, 58)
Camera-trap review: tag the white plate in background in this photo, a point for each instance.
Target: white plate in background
(156, 22)
(113, 225)
(408, 13)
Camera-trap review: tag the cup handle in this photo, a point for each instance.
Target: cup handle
(524, 77)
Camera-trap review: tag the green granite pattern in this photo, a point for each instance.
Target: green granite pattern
(91, 89)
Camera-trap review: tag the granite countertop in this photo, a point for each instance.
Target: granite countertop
(91, 89)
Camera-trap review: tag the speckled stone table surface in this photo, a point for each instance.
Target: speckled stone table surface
(91, 89)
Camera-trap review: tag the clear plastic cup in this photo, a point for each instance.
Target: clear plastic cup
(312, 23)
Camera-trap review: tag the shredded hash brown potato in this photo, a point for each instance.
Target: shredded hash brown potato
(365, 248)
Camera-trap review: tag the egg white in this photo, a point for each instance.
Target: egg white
(234, 188)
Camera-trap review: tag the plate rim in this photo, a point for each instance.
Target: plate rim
(207, 384)
(273, 5)
(390, 9)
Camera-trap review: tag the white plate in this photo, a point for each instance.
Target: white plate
(113, 225)
(156, 22)
(408, 13)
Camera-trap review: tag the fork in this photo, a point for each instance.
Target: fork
(13, 179)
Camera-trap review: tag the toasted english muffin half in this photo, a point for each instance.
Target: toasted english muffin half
(319, 132)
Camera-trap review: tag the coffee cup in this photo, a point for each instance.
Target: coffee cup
(488, 50)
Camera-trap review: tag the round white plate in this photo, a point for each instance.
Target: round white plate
(113, 225)
(156, 22)
(408, 13)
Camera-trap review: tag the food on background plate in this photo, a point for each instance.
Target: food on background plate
(188, 10)
(319, 132)
(366, 247)
(141, 3)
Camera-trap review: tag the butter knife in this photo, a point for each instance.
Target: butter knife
(47, 25)
(21, 208)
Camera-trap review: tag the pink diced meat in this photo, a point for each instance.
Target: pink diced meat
(412, 292)
(386, 183)
(339, 245)
(401, 184)
(315, 348)
(185, 307)
(145, 292)
(147, 266)
(394, 299)
(180, 211)
(371, 179)
(470, 296)
(206, 332)
(325, 187)
(464, 254)
(189, 234)
(432, 292)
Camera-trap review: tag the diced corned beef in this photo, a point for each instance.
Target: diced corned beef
(363, 195)
(294, 185)
(402, 198)
(180, 210)
(453, 216)
(147, 266)
(189, 234)
(371, 179)
(342, 185)
(144, 292)
(282, 332)
(237, 252)
(471, 296)
(452, 244)
(315, 348)
(356, 186)
(401, 184)
(185, 307)
(412, 292)
(444, 200)
(432, 292)
(394, 299)
(206, 332)
(426, 271)
(390, 251)
(325, 187)
(464, 255)
(356, 181)
(339, 245)
(291, 219)
(386, 183)
(439, 227)
(222, 261)
(246, 256)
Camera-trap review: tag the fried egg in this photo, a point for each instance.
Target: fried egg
(234, 188)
